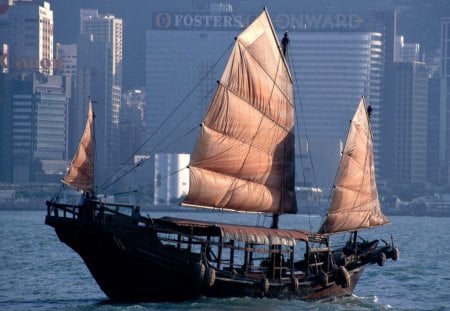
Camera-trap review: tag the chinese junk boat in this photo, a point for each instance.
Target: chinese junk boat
(243, 161)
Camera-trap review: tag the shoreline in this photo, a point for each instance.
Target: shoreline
(37, 205)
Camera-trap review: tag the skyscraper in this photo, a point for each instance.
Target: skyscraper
(406, 52)
(50, 135)
(22, 126)
(105, 28)
(99, 76)
(31, 36)
(444, 132)
(410, 113)
(335, 58)
(5, 127)
(385, 22)
(333, 70)
(433, 163)
(37, 100)
(132, 124)
(167, 85)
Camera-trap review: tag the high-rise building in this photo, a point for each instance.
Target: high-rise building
(105, 28)
(333, 70)
(5, 127)
(35, 98)
(23, 123)
(444, 132)
(433, 166)
(50, 110)
(406, 52)
(385, 22)
(66, 65)
(334, 58)
(31, 36)
(167, 85)
(410, 113)
(132, 124)
(66, 60)
(99, 76)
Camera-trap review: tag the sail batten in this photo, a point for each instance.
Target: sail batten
(81, 170)
(244, 156)
(355, 204)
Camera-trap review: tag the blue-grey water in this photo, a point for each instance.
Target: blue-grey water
(37, 272)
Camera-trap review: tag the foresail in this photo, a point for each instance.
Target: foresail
(81, 169)
(244, 157)
(354, 204)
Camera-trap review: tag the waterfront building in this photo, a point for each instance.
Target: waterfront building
(22, 127)
(333, 70)
(5, 127)
(66, 65)
(132, 124)
(410, 113)
(66, 60)
(50, 135)
(444, 131)
(433, 166)
(334, 62)
(169, 79)
(406, 52)
(105, 28)
(99, 76)
(31, 36)
(27, 59)
(170, 188)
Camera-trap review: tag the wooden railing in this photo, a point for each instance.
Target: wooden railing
(96, 211)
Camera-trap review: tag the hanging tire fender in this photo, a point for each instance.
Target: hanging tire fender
(381, 259)
(395, 253)
(295, 284)
(342, 277)
(322, 278)
(210, 277)
(198, 273)
(264, 284)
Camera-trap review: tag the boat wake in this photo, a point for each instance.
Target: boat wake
(355, 302)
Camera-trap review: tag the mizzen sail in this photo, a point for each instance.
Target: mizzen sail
(354, 204)
(81, 169)
(244, 156)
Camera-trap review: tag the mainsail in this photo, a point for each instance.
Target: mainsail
(354, 204)
(81, 169)
(244, 156)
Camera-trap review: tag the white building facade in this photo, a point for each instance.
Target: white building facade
(171, 181)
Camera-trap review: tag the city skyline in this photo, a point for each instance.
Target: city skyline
(200, 32)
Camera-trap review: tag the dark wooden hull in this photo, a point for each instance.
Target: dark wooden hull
(130, 263)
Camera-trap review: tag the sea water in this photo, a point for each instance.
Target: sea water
(38, 272)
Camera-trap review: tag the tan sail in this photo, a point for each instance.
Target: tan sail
(244, 157)
(81, 169)
(355, 204)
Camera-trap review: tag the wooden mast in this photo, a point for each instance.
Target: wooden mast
(284, 49)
